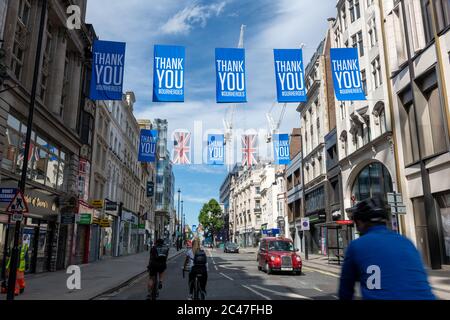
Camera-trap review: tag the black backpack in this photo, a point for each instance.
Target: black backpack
(200, 258)
(161, 254)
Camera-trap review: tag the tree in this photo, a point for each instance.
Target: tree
(211, 218)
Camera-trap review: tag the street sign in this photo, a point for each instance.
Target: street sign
(7, 194)
(398, 209)
(110, 205)
(97, 204)
(67, 218)
(305, 224)
(194, 228)
(18, 204)
(85, 218)
(16, 217)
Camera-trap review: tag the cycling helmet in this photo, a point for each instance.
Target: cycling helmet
(373, 209)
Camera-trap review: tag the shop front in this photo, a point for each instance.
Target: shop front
(315, 211)
(82, 233)
(39, 229)
(128, 232)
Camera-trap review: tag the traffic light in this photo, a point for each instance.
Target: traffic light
(3, 69)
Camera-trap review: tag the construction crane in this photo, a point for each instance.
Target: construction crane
(274, 126)
(229, 114)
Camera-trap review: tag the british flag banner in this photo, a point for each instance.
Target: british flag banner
(181, 148)
(249, 150)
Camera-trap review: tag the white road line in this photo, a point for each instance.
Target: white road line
(320, 271)
(215, 267)
(335, 297)
(286, 294)
(256, 292)
(316, 288)
(228, 277)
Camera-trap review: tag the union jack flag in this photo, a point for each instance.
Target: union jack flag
(34, 152)
(249, 150)
(181, 147)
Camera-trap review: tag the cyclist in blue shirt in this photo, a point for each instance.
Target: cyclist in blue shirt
(387, 265)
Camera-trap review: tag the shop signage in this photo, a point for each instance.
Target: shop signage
(95, 220)
(344, 222)
(97, 204)
(105, 223)
(305, 224)
(67, 218)
(7, 194)
(85, 218)
(142, 226)
(110, 205)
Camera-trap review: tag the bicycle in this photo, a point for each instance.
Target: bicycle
(199, 294)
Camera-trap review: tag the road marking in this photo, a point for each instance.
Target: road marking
(228, 277)
(215, 267)
(320, 271)
(286, 294)
(256, 292)
(316, 288)
(335, 297)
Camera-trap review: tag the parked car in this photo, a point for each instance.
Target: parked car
(231, 247)
(278, 254)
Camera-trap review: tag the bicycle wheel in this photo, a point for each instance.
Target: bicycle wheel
(155, 286)
(196, 289)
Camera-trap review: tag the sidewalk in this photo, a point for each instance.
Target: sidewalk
(96, 278)
(439, 279)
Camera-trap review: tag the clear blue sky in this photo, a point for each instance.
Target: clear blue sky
(202, 26)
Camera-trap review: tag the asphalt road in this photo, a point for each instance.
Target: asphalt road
(236, 277)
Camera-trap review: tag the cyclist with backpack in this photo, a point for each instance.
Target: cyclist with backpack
(157, 264)
(196, 263)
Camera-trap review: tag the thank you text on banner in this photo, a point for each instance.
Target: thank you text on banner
(216, 154)
(230, 75)
(290, 75)
(281, 148)
(168, 73)
(147, 146)
(107, 70)
(346, 74)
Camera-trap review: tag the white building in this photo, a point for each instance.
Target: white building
(418, 44)
(364, 131)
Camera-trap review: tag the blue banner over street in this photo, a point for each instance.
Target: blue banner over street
(346, 74)
(290, 75)
(147, 146)
(107, 70)
(216, 153)
(281, 148)
(230, 76)
(168, 74)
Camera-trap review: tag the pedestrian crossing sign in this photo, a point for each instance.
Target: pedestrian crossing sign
(18, 204)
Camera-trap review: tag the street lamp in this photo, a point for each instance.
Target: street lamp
(178, 223)
(183, 222)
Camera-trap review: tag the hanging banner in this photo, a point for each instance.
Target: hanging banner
(147, 146)
(181, 147)
(216, 149)
(290, 75)
(281, 148)
(107, 70)
(346, 74)
(230, 76)
(168, 74)
(249, 150)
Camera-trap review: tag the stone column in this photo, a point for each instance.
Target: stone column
(72, 104)
(56, 82)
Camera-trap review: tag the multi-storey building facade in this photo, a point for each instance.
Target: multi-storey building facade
(62, 131)
(245, 196)
(366, 152)
(417, 37)
(294, 189)
(316, 117)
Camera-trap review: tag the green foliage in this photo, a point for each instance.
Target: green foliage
(211, 217)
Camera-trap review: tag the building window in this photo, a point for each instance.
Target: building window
(20, 38)
(366, 132)
(442, 14)
(357, 42)
(46, 164)
(376, 73)
(372, 180)
(427, 14)
(355, 10)
(45, 72)
(364, 81)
